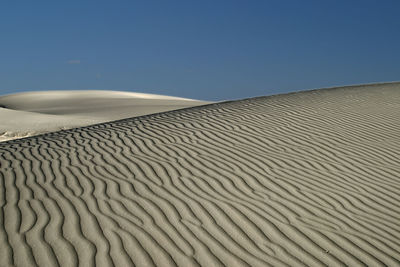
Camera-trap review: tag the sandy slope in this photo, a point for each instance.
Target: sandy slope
(304, 179)
(32, 113)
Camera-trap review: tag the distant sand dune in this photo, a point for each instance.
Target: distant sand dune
(303, 179)
(32, 113)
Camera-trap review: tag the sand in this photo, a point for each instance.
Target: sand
(33, 113)
(302, 179)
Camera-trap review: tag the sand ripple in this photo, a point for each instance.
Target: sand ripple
(305, 179)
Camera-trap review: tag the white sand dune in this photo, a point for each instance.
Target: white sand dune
(302, 179)
(32, 113)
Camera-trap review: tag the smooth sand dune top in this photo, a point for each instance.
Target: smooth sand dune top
(303, 179)
(32, 113)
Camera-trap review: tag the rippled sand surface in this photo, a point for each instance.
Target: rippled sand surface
(303, 179)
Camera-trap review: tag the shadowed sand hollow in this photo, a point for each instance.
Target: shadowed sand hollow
(302, 179)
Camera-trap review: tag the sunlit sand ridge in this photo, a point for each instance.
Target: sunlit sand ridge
(32, 113)
(303, 179)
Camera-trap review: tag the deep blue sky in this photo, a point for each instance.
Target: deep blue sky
(209, 50)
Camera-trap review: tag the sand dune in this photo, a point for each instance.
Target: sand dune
(32, 113)
(302, 179)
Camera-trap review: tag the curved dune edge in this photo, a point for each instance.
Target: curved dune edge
(304, 179)
(33, 113)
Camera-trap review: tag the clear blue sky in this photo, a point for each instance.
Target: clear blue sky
(209, 50)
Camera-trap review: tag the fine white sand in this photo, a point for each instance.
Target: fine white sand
(32, 113)
(302, 179)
